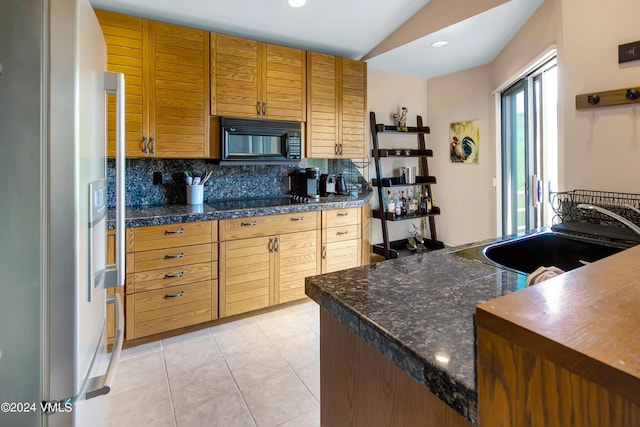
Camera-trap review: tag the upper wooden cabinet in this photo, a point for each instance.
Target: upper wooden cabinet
(336, 107)
(257, 80)
(126, 38)
(166, 70)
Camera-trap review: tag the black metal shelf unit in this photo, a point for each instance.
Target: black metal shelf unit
(394, 249)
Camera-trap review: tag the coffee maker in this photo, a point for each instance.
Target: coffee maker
(305, 183)
(313, 182)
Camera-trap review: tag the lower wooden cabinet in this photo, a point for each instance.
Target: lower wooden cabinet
(172, 270)
(265, 260)
(341, 239)
(172, 277)
(111, 259)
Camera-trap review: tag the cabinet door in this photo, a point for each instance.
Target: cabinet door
(179, 58)
(297, 258)
(341, 255)
(322, 106)
(285, 89)
(246, 275)
(236, 77)
(353, 108)
(126, 39)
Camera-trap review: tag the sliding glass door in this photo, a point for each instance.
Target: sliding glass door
(529, 149)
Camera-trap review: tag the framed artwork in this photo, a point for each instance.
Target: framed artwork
(464, 141)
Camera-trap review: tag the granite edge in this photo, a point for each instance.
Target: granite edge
(143, 221)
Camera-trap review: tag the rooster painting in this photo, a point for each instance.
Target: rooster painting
(464, 145)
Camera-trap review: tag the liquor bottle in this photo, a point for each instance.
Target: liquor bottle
(391, 203)
(404, 203)
(398, 206)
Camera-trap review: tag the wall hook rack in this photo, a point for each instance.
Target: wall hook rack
(608, 98)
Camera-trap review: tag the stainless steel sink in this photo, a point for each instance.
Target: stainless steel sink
(527, 253)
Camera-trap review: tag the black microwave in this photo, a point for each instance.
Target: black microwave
(253, 141)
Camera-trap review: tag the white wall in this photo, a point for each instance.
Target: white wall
(464, 192)
(386, 94)
(602, 146)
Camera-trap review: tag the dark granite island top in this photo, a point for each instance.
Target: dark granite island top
(418, 312)
(140, 216)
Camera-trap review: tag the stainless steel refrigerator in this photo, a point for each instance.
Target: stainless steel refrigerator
(54, 366)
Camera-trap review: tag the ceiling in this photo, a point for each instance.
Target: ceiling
(354, 28)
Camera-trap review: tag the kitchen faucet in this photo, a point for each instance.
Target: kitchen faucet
(613, 215)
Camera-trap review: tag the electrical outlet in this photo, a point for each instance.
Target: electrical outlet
(157, 178)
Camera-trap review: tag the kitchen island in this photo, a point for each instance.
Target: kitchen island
(418, 313)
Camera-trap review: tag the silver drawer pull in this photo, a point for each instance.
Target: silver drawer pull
(180, 255)
(179, 294)
(174, 232)
(248, 224)
(296, 219)
(173, 276)
(342, 233)
(342, 214)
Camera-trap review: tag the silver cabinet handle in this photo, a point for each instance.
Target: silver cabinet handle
(152, 145)
(324, 252)
(296, 219)
(264, 109)
(179, 294)
(248, 224)
(276, 244)
(180, 255)
(341, 149)
(258, 108)
(115, 273)
(342, 214)
(173, 276)
(180, 231)
(336, 149)
(144, 144)
(271, 244)
(342, 233)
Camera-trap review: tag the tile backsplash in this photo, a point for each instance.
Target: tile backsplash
(226, 182)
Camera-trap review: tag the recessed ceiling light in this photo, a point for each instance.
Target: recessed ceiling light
(441, 43)
(297, 3)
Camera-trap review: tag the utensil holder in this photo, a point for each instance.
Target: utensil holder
(195, 194)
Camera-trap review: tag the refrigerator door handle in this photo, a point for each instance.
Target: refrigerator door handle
(98, 386)
(115, 273)
(102, 385)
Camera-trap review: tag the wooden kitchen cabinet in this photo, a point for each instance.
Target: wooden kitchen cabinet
(172, 277)
(341, 239)
(336, 107)
(257, 80)
(111, 259)
(166, 69)
(264, 260)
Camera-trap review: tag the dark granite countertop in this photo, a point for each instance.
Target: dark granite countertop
(140, 216)
(418, 312)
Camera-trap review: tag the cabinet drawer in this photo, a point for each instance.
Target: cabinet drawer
(340, 234)
(173, 235)
(171, 276)
(155, 311)
(174, 257)
(340, 217)
(260, 226)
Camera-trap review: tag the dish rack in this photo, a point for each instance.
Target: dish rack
(565, 205)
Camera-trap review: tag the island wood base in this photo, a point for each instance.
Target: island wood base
(361, 387)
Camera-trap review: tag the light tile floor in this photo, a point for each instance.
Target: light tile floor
(258, 371)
